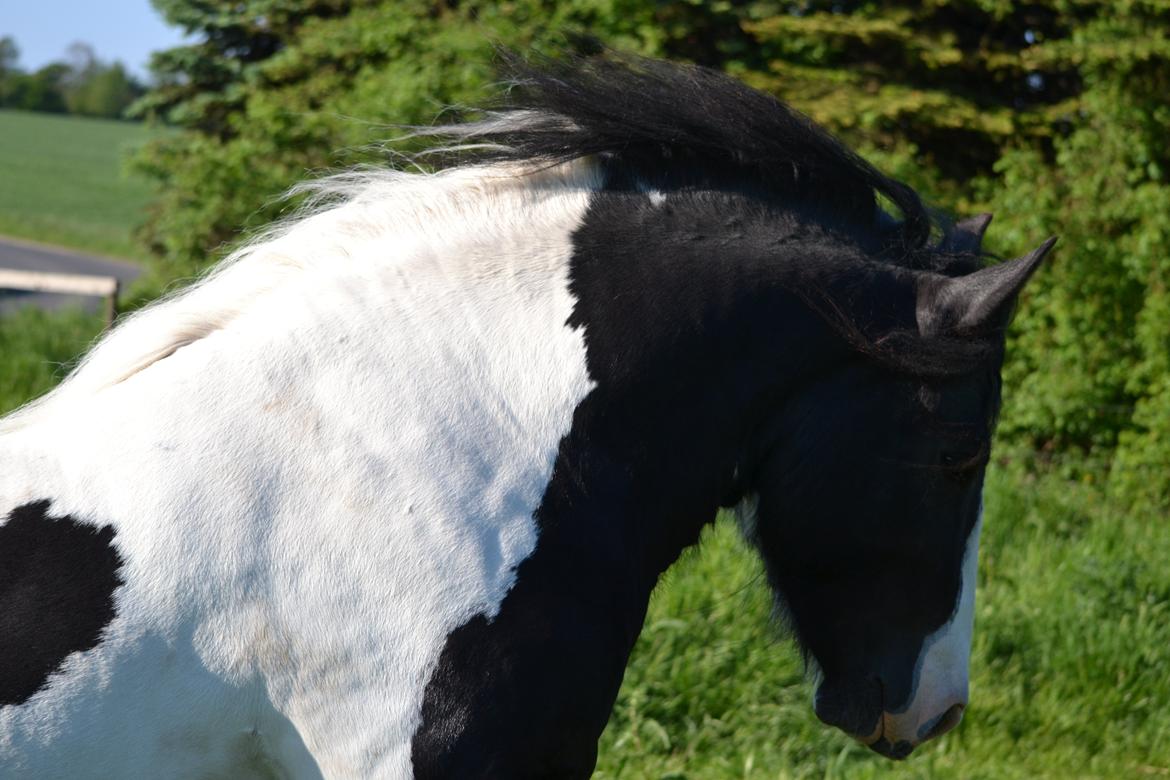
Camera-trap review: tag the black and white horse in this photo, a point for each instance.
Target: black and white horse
(386, 494)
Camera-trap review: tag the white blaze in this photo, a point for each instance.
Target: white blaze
(940, 675)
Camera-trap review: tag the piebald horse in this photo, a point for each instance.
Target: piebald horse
(386, 494)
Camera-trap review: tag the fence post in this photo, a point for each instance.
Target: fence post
(112, 304)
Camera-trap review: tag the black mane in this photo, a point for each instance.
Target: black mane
(650, 115)
(665, 125)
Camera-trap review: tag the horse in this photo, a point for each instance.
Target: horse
(387, 492)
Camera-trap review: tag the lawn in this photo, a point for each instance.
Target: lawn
(37, 348)
(62, 181)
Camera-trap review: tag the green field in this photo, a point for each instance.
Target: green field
(37, 348)
(62, 181)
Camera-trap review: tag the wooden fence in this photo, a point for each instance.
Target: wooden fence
(65, 284)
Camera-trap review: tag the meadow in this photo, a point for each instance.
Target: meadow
(63, 181)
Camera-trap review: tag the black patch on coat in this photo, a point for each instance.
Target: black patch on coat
(57, 583)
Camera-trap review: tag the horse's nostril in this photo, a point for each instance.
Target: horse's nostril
(948, 721)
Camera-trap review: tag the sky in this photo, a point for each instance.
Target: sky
(126, 30)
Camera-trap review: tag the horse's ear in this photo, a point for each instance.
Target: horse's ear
(979, 302)
(966, 235)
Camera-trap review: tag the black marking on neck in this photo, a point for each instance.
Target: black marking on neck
(57, 583)
(681, 340)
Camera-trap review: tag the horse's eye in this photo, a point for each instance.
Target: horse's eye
(961, 463)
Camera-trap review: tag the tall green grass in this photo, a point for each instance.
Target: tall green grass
(62, 181)
(38, 347)
(1070, 668)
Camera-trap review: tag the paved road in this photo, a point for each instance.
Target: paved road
(25, 256)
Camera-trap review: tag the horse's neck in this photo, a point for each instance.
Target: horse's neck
(681, 349)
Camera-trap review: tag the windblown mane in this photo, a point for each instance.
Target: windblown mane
(663, 119)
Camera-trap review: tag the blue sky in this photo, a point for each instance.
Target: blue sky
(126, 30)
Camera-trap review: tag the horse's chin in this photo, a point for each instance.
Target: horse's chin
(852, 705)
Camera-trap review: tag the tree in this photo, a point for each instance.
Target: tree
(9, 55)
(82, 85)
(96, 88)
(102, 90)
(9, 68)
(40, 91)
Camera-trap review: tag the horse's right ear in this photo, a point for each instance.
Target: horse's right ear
(979, 302)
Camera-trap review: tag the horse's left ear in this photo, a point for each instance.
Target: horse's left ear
(966, 235)
(979, 302)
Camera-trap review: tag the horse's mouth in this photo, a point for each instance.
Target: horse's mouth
(900, 749)
(877, 742)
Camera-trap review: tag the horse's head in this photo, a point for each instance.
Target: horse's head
(866, 508)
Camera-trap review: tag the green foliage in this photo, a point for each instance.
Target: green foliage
(42, 90)
(62, 181)
(85, 86)
(1091, 354)
(267, 98)
(102, 91)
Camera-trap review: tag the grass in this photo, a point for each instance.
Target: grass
(36, 347)
(62, 181)
(1070, 667)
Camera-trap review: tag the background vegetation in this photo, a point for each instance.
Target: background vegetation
(1051, 114)
(80, 84)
